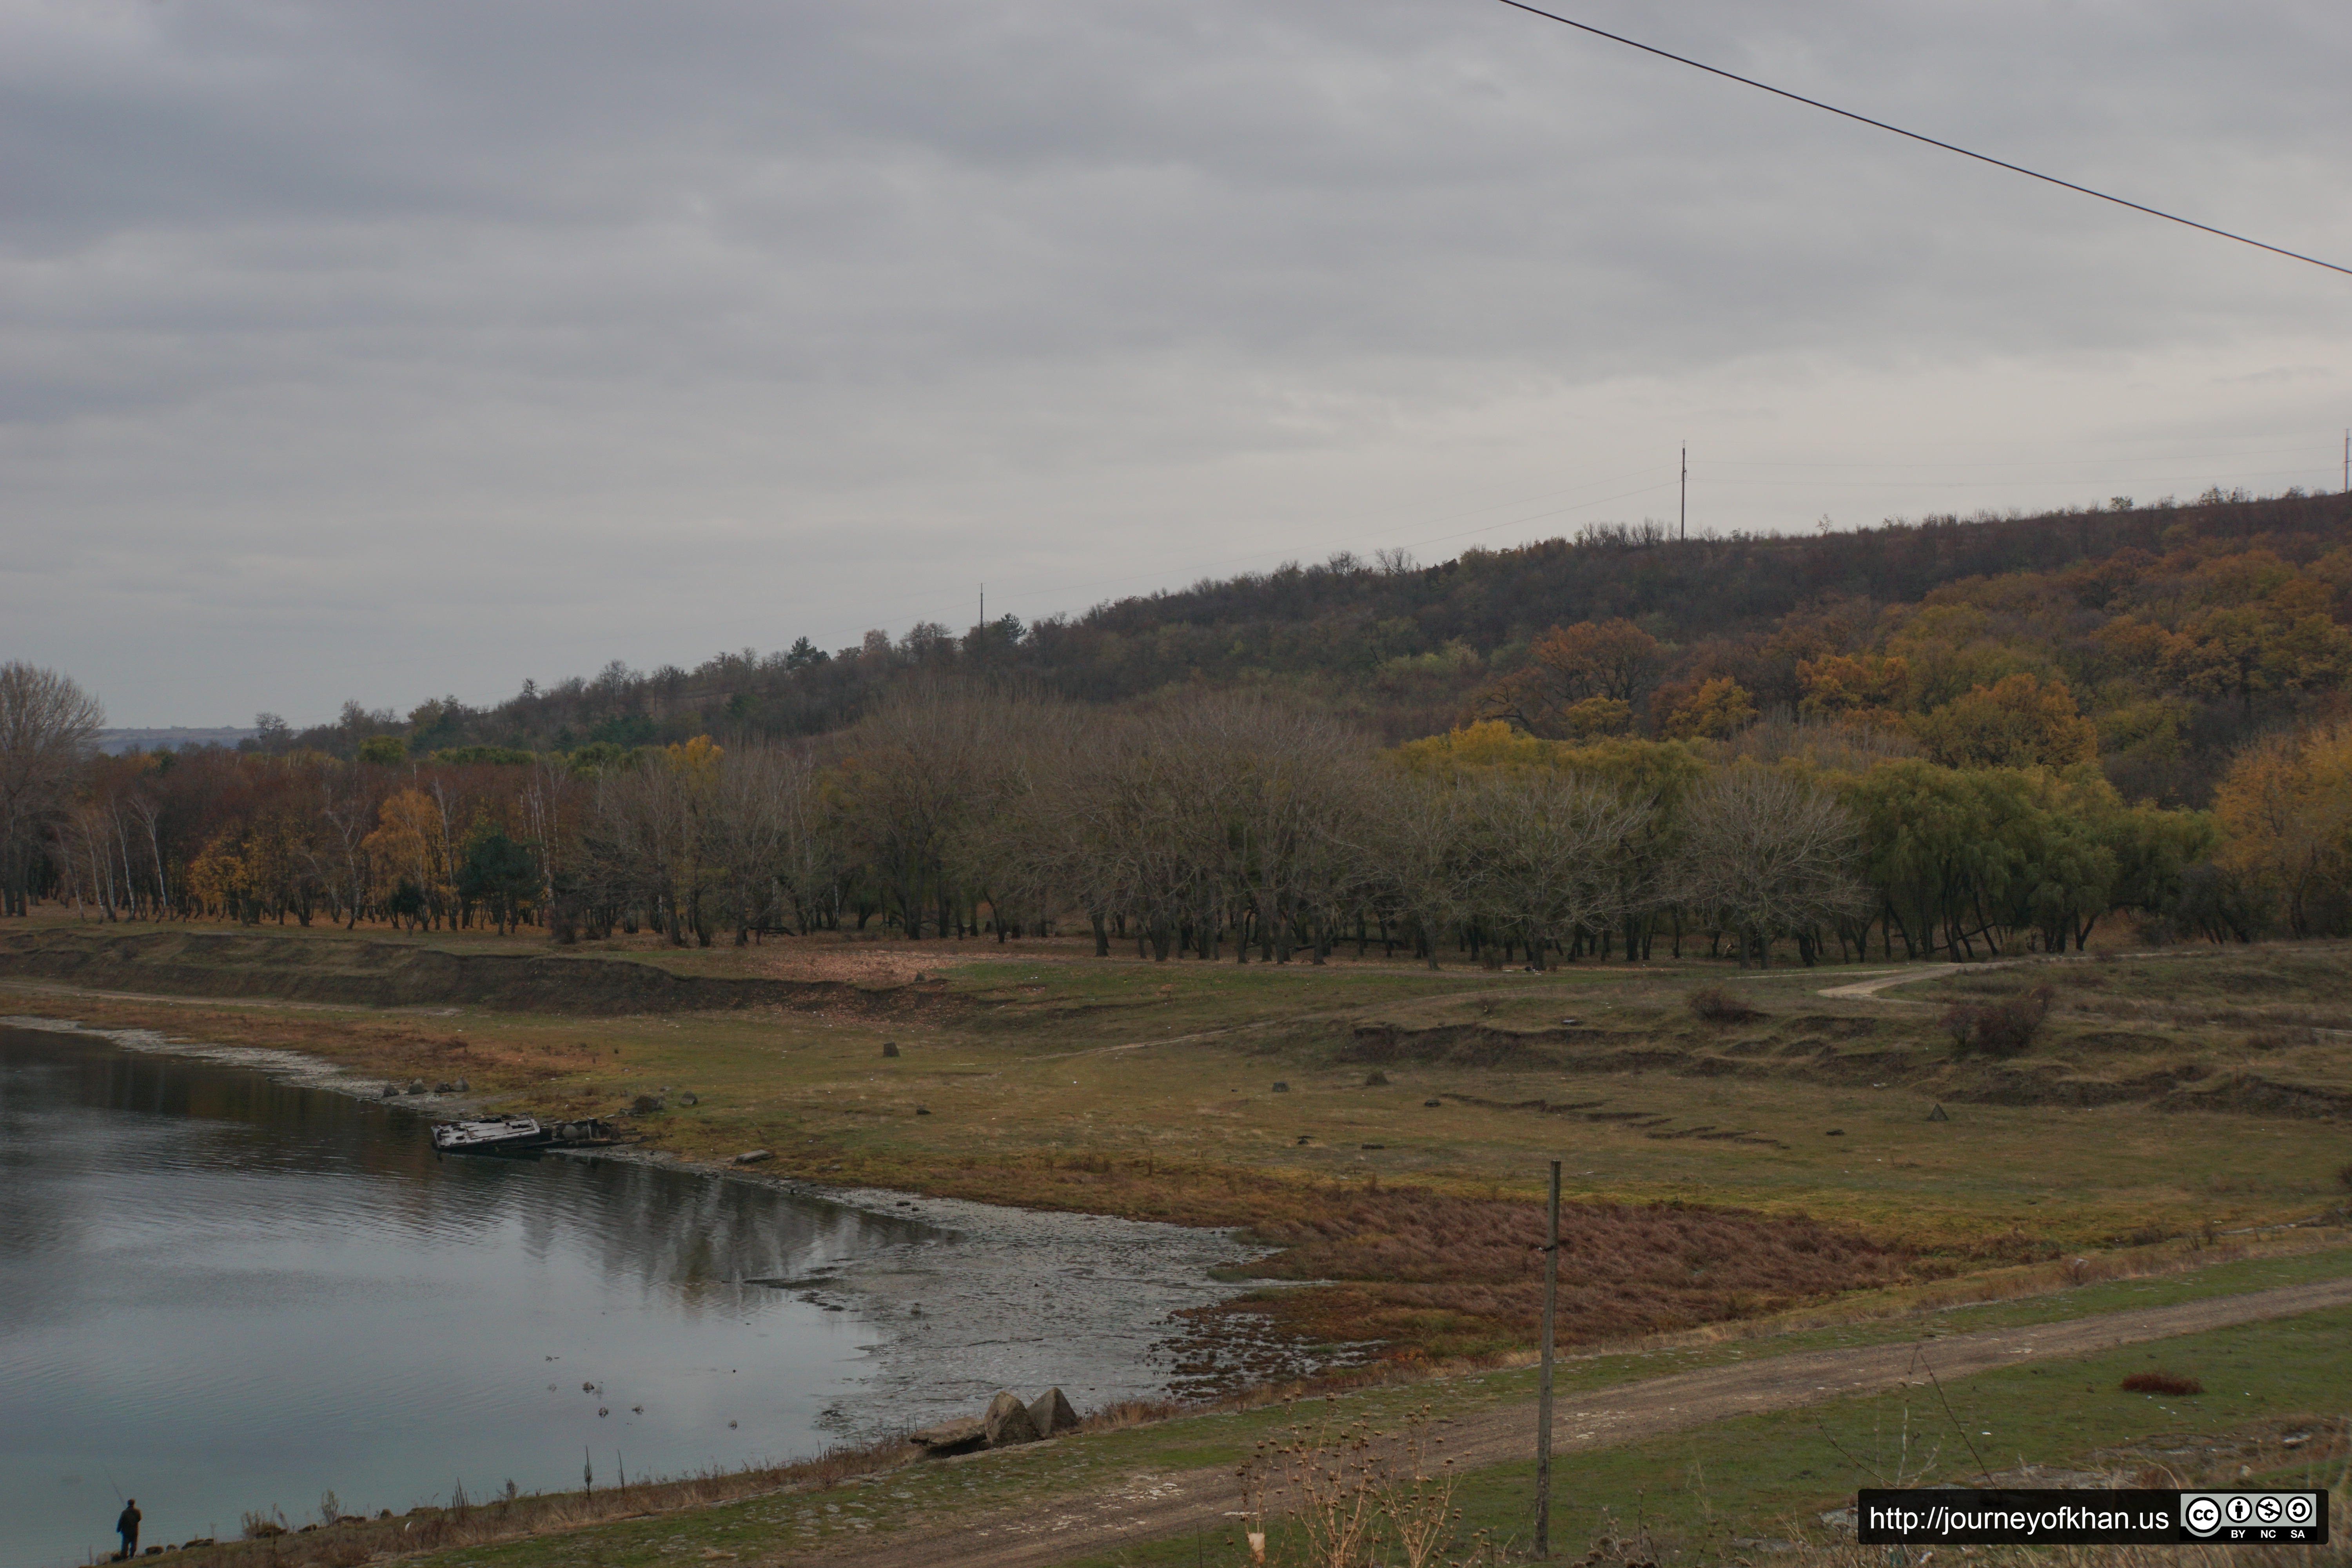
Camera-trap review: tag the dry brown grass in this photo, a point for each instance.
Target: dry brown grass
(1714, 1005)
(374, 1044)
(1445, 1275)
(1849, 1556)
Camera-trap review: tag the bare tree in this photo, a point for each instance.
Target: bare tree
(907, 787)
(648, 838)
(1421, 845)
(1550, 850)
(1137, 840)
(1020, 846)
(758, 810)
(48, 725)
(1768, 854)
(1291, 781)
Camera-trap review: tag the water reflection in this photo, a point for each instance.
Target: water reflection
(231, 1292)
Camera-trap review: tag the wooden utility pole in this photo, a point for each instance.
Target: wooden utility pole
(1543, 1386)
(1686, 527)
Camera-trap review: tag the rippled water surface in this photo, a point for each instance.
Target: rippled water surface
(220, 1292)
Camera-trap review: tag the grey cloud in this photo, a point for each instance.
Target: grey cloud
(299, 302)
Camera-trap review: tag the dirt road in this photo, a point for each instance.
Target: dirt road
(1148, 1506)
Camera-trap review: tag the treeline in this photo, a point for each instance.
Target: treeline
(1227, 825)
(2174, 628)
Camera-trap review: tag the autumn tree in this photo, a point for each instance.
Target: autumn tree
(2016, 722)
(1578, 680)
(1868, 689)
(2285, 813)
(408, 858)
(2287, 641)
(1715, 708)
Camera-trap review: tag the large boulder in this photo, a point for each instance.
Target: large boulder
(958, 1436)
(1007, 1422)
(1051, 1413)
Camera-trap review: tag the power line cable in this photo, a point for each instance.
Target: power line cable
(1914, 135)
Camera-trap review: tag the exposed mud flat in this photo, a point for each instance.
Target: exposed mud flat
(1019, 1299)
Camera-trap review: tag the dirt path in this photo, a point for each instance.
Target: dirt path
(1148, 1506)
(1868, 990)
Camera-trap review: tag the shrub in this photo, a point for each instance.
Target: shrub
(1997, 1028)
(1715, 1006)
(2161, 1382)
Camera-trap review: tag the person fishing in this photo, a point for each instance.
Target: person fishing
(126, 1527)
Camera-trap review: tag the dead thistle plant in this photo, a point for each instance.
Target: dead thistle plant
(1352, 1494)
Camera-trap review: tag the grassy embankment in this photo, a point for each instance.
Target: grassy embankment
(2172, 1095)
(2269, 1417)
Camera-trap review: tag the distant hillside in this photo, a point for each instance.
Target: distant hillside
(1407, 650)
(175, 737)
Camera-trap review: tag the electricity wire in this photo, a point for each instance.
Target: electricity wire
(1914, 135)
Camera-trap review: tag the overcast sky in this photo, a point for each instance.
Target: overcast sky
(382, 350)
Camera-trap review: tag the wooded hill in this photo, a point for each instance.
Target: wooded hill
(2177, 630)
(1754, 742)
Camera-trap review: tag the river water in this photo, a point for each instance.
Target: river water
(222, 1291)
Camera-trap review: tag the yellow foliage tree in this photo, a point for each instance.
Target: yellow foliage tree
(2287, 641)
(219, 877)
(409, 845)
(1490, 745)
(696, 761)
(1719, 709)
(1594, 717)
(2016, 722)
(1867, 689)
(2285, 812)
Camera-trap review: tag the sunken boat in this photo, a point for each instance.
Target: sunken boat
(494, 1135)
